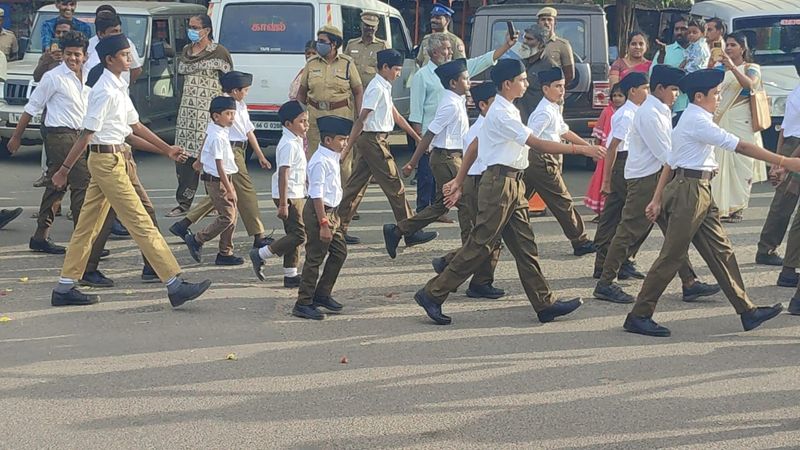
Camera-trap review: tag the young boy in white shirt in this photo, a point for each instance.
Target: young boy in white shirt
(325, 238)
(218, 166)
(289, 194)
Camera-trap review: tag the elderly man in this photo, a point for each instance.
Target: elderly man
(441, 16)
(556, 49)
(8, 40)
(535, 61)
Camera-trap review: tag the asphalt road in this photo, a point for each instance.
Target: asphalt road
(131, 372)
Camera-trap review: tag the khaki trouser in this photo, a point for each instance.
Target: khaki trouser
(245, 193)
(188, 182)
(105, 232)
(502, 212)
(311, 284)
(612, 214)
(634, 227)
(374, 160)
(444, 165)
(692, 217)
(57, 148)
(543, 176)
(780, 210)
(110, 187)
(289, 245)
(225, 222)
(469, 204)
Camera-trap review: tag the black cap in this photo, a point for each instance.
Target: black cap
(222, 103)
(483, 92)
(632, 80)
(451, 70)
(290, 110)
(235, 80)
(94, 75)
(110, 45)
(335, 125)
(550, 75)
(665, 75)
(391, 57)
(701, 80)
(506, 69)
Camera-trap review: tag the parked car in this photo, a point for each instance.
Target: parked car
(267, 38)
(156, 29)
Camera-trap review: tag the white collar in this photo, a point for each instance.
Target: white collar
(328, 153)
(694, 109)
(118, 82)
(214, 129)
(384, 82)
(290, 134)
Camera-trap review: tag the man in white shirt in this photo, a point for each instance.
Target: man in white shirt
(64, 93)
(648, 144)
(373, 157)
(109, 120)
(543, 175)
(503, 145)
(108, 23)
(689, 208)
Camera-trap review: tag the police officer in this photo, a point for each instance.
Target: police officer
(364, 49)
(441, 16)
(8, 40)
(556, 49)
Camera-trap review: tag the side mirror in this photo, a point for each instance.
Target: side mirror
(24, 43)
(158, 51)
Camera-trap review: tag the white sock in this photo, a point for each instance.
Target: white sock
(290, 272)
(264, 252)
(64, 285)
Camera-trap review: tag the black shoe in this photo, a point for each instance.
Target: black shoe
(96, 279)
(229, 260)
(7, 215)
(195, 248)
(258, 263)
(585, 248)
(485, 291)
(179, 230)
(788, 280)
(644, 325)
(117, 229)
(612, 293)
(46, 246)
(439, 264)
(105, 253)
(291, 282)
(700, 289)
(558, 309)
(263, 242)
(188, 291)
(769, 259)
(597, 273)
(328, 303)
(754, 318)
(149, 275)
(628, 271)
(420, 237)
(356, 217)
(391, 237)
(432, 309)
(307, 312)
(73, 297)
(794, 306)
(351, 240)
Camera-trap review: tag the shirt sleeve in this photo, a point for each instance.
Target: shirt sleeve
(710, 133)
(283, 155)
(40, 96)
(444, 116)
(620, 126)
(566, 55)
(132, 114)
(480, 63)
(371, 98)
(316, 180)
(96, 111)
(515, 131)
(539, 121)
(417, 98)
(657, 136)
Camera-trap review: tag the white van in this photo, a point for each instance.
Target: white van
(267, 38)
(773, 30)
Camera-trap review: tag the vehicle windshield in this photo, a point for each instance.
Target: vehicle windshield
(135, 27)
(572, 30)
(267, 28)
(777, 38)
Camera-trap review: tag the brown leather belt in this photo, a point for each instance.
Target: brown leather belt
(62, 130)
(239, 144)
(380, 134)
(696, 174)
(622, 156)
(104, 148)
(505, 171)
(448, 150)
(210, 178)
(328, 106)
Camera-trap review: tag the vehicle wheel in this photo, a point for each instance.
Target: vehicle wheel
(4, 153)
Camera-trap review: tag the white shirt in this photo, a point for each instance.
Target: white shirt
(621, 123)
(110, 112)
(217, 146)
(451, 122)
(478, 167)
(503, 138)
(791, 119)
(547, 122)
(92, 59)
(649, 140)
(694, 139)
(241, 123)
(64, 95)
(324, 178)
(290, 153)
(378, 98)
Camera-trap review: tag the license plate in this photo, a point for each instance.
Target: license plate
(14, 118)
(264, 125)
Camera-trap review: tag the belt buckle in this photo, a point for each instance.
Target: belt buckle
(324, 105)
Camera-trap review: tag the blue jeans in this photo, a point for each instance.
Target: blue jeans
(426, 185)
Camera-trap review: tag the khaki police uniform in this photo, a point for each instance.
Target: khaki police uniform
(780, 212)
(8, 42)
(365, 57)
(457, 45)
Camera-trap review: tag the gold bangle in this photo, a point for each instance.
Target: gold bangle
(573, 147)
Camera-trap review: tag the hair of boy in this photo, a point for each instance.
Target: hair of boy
(105, 20)
(698, 23)
(289, 111)
(389, 57)
(105, 7)
(74, 39)
(221, 103)
(63, 21)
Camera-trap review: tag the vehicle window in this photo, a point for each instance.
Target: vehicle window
(276, 28)
(573, 30)
(180, 24)
(775, 40)
(160, 31)
(351, 24)
(135, 27)
(399, 41)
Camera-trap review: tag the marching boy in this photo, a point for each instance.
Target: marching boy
(289, 194)
(236, 85)
(218, 166)
(324, 234)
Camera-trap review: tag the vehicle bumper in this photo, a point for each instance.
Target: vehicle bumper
(9, 117)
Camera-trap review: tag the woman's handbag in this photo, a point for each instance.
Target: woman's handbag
(759, 108)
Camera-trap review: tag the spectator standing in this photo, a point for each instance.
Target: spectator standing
(66, 10)
(558, 50)
(715, 31)
(633, 61)
(534, 38)
(673, 55)
(441, 16)
(8, 40)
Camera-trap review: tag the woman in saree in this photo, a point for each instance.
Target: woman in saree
(633, 61)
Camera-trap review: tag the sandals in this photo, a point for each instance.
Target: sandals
(178, 211)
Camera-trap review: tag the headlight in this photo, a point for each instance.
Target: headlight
(777, 106)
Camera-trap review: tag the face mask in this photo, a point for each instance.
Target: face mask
(193, 35)
(324, 49)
